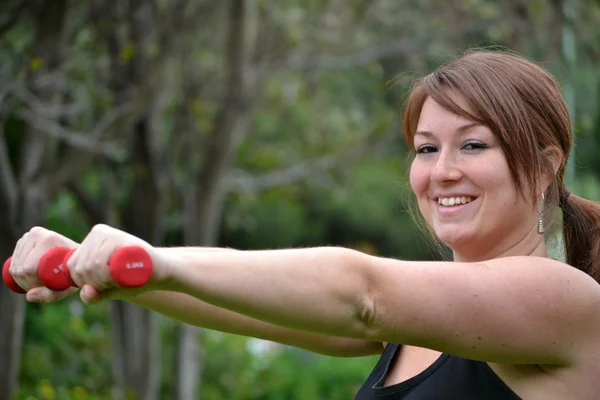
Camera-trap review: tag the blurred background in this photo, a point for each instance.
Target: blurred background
(239, 123)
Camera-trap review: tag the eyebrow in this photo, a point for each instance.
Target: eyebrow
(460, 129)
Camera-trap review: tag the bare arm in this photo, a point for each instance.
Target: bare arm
(514, 310)
(195, 312)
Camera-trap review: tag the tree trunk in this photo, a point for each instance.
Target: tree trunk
(24, 195)
(204, 200)
(137, 357)
(12, 313)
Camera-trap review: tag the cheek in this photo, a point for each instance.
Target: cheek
(494, 179)
(419, 177)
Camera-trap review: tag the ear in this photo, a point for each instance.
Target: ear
(554, 158)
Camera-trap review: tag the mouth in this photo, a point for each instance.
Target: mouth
(455, 201)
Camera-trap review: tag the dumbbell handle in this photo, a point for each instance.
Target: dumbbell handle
(130, 266)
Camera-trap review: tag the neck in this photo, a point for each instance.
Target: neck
(531, 244)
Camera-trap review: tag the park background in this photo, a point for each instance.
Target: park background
(239, 123)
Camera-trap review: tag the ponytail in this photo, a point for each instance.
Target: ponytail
(581, 230)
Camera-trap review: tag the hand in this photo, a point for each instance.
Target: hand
(24, 263)
(89, 264)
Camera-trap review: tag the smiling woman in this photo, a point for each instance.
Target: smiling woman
(491, 135)
(457, 159)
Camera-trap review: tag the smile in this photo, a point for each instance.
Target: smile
(454, 201)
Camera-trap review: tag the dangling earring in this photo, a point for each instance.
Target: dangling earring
(541, 217)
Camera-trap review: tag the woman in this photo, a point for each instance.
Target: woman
(491, 136)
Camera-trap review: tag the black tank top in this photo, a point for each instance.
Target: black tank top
(448, 378)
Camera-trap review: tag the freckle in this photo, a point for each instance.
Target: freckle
(553, 342)
(503, 344)
(478, 337)
(456, 335)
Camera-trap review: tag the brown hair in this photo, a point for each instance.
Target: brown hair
(522, 105)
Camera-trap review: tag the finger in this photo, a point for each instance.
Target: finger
(30, 267)
(102, 278)
(72, 265)
(71, 262)
(90, 295)
(90, 261)
(86, 260)
(45, 295)
(17, 268)
(19, 247)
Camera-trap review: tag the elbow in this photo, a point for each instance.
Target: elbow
(367, 317)
(365, 299)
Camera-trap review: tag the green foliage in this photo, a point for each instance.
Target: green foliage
(244, 369)
(68, 352)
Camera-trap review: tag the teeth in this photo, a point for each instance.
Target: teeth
(451, 201)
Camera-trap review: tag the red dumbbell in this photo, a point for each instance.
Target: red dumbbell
(52, 269)
(129, 266)
(52, 272)
(8, 279)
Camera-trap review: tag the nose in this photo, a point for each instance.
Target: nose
(446, 168)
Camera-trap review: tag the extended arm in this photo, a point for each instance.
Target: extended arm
(516, 310)
(195, 312)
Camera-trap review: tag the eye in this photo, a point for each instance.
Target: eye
(426, 149)
(474, 146)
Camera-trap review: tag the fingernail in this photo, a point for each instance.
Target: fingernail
(86, 296)
(34, 297)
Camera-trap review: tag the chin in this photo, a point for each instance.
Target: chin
(456, 239)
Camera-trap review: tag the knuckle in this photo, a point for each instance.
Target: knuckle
(37, 230)
(49, 240)
(76, 269)
(19, 273)
(99, 227)
(29, 269)
(90, 266)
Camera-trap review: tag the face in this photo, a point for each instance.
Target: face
(464, 188)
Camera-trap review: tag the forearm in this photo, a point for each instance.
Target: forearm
(322, 290)
(192, 311)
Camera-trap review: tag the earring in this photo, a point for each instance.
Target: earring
(541, 217)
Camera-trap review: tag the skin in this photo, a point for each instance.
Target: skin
(503, 301)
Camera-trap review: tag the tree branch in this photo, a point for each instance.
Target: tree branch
(357, 59)
(374, 52)
(241, 181)
(94, 211)
(39, 107)
(230, 122)
(78, 140)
